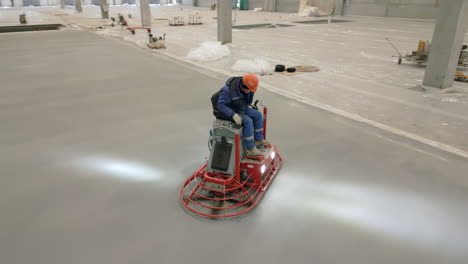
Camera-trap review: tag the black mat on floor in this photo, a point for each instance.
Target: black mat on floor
(322, 21)
(269, 25)
(21, 28)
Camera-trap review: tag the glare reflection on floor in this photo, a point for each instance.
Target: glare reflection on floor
(120, 168)
(412, 217)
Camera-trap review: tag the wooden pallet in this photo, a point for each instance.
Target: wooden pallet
(7, 29)
(156, 45)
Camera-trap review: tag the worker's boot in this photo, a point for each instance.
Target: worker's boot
(254, 152)
(262, 143)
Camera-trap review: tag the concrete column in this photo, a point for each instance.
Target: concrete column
(62, 4)
(387, 7)
(78, 6)
(446, 44)
(224, 10)
(104, 9)
(145, 13)
(339, 7)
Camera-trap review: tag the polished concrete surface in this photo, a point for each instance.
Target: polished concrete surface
(97, 136)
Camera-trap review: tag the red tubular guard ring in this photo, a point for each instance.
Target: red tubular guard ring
(133, 28)
(265, 116)
(251, 196)
(217, 180)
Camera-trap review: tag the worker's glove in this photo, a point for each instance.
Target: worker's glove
(237, 118)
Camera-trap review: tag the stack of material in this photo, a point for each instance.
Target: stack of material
(177, 21)
(323, 7)
(195, 20)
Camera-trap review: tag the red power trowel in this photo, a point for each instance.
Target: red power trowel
(230, 183)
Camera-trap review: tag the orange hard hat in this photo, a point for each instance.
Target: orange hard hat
(251, 81)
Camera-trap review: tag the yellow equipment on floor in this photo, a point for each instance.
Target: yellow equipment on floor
(461, 77)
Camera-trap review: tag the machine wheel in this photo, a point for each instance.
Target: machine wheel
(400, 60)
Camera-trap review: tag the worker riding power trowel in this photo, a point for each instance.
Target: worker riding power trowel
(232, 181)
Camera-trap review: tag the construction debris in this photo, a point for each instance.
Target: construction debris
(257, 65)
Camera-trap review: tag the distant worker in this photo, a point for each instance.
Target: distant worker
(232, 103)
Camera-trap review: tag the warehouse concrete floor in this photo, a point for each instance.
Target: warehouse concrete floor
(97, 136)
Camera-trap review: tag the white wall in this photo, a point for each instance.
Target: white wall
(8, 2)
(382, 8)
(31, 2)
(258, 4)
(393, 8)
(43, 2)
(390, 8)
(289, 6)
(206, 3)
